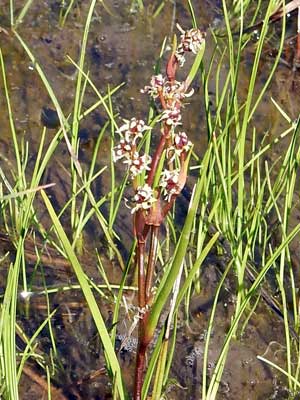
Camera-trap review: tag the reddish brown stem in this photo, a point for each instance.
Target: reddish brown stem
(144, 293)
(139, 371)
(162, 100)
(141, 231)
(141, 352)
(144, 341)
(151, 261)
(141, 272)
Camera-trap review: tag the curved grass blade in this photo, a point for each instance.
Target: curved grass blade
(113, 364)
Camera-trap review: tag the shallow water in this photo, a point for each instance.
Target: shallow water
(122, 47)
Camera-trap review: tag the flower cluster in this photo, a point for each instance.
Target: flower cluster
(190, 41)
(181, 145)
(156, 87)
(133, 129)
(171, 117)
(167, 91)
(123, 150)
(130, 132)
(144, 198)
(169, 182)
(170, 94)
(137, 163)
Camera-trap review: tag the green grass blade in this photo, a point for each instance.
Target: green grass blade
(113, 366)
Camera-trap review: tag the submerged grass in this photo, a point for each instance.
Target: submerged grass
(236, 195)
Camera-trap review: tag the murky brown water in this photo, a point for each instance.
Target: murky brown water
(122, 47)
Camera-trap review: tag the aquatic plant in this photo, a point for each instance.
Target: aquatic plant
(157, 181)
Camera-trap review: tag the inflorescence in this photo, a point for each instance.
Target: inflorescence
(170, 94)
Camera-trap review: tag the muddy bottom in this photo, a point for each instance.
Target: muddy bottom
(123, 46)
(80, 373)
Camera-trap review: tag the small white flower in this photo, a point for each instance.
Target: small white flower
(190, 41)
(170, 88)
(169, 182)
(180, 57)
(144, 198)
(156, 84)
(171, 117)
(132, 129)
(123, 149)
(180, 144)
(189, 94)
(181, 141)
(137, 164)
(181, 95)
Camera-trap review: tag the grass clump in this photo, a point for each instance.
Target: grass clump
(238, 190)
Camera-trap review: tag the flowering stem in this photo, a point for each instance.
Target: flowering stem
(141, 272)
(151, 261)
(142, 345)
(155, 196)
(139, 371)
(144, 341)
(144, 296)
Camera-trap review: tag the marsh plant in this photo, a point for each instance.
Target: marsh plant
(158, 180)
